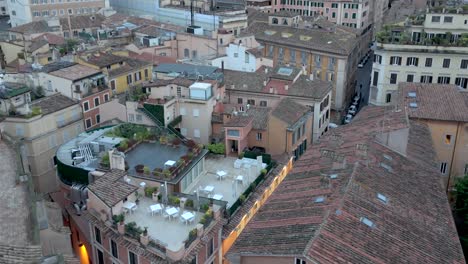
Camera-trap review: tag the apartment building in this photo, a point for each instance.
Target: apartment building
(96, 228)
(4, 7)
(349, 13)
(182, 103)
(341, 196)
(52, 121)
(121, 72)
(444, 109)
(22, 12)
(241, 58)
(268, 86)
(14, 98)
(281, 130)
(327, 51)
(430, 49)
(84, 84)
(208, 15)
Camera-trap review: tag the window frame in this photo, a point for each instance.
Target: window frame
(84, 108)
(393, 78)
(130, 253)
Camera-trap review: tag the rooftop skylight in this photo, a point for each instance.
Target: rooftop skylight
(367, 222)
(382, 197)
(333, 176)
(413, 105)
(285, 71)
(320, 199)
(412, 94)
(270, 32)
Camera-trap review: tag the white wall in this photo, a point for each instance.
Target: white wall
(112, 110)
(438, 54)
(4, 4)
(235, 59)
(19, 11)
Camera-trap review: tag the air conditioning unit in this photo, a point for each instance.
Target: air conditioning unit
(151, 42)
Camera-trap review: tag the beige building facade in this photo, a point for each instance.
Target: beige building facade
(22, 12)
(59, 121)
(444, 109)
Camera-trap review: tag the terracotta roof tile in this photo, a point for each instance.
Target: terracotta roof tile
(111, 188)
(414, 225)
(434, 101)
(289, 111)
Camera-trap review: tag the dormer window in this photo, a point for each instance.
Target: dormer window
(285, 21)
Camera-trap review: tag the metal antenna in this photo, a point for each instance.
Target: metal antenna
(192, 19)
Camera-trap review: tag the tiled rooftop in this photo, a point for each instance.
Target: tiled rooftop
(254, 82)
(350, 223)
(53, 103)
(317, 34)
(75, 72)
(434, 101)
(111, 187)
(289, 111)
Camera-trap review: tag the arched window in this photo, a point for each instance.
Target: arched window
(274, 21)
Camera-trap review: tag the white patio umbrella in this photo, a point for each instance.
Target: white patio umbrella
(142, 184)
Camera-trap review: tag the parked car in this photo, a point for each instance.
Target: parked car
(352, 110)
(348, 119)
(332, 125)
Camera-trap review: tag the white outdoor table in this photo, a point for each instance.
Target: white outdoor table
(171, 211)
(155, 208)
(217, 197)
(169, 163)
(221, 174)
(187, 216)
(209, 189)
(129, 206)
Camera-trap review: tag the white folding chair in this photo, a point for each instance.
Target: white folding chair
(134, 208)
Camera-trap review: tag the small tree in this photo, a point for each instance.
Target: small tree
(40, 91)
(461, 210)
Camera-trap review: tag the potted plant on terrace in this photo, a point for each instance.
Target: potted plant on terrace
(157, 172)
(146, 170)
(167, 173)
(176, 142)
(139, 168)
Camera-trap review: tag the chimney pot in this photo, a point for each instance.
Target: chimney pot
(311, 77)
(271, 89)
(264, 83)
(286, 87)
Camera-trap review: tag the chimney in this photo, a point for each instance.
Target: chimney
(286, 87)
(245, 86)
(276, 91)
(311, 76)
(271, 89)
(264, 83)
(266, 70)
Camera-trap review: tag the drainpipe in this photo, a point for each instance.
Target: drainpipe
(453, 156)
